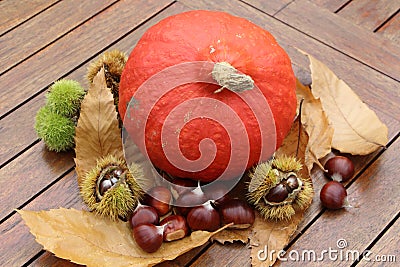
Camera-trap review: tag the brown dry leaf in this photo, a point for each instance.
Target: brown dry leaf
(84, 238)
(97, 132)
(271, 235)
(358, 130)
(316, 124)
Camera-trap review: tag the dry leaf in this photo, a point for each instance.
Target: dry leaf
(231, 235)
(316, 124)
(271, 235)
(84, 238)
(357, 129)
(97, 132)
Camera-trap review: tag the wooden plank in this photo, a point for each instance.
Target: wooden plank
(344, 36)
(391, 29)
(331, 5)
(369, 14)
(43, 29)
(14, 12)
(387, 250)
(18, 244)
(230, 254)
(270, 7)
(34, 74)
(372, 196)
(24, 177)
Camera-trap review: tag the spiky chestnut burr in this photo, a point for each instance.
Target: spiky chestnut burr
(113, 62)
(56, 131)
(276, 189)
(111, 189)
(65, 97)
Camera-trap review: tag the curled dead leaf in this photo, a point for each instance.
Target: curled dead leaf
(316, 125)
(357, 129)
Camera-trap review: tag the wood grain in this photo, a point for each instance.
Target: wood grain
(43, 29)
(39, 71)
(384, 250)
(18, 245)
(14, 12)
(331, 5)
(344, 36)
(32, 171)
(391, 29)
(270, 7)
(369, 14)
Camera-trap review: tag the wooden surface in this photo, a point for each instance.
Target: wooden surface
(42, 41)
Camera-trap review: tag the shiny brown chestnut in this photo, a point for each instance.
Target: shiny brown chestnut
(181, 186)
(339, 168)
(160, 198)
(144, 214)
(204, 217)
(277, 194)
(218, 192)
(238, 212)
(333, 195)
(189, 200)
(148, 237)
(176, 227)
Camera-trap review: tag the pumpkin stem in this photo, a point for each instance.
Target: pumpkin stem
(230, 78)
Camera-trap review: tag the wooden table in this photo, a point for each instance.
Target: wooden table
(42, 41)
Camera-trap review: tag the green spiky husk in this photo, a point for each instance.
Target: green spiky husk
(65, 97)
(268, 175)
(56, 131)
(119, 201)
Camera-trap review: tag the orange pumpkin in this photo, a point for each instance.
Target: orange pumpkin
(214, 37)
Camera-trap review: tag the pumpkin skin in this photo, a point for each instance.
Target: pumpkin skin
(216, 37)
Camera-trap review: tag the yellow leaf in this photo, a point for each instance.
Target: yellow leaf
(357, 129)
(316, 124)
(84, 238)
(97, 133)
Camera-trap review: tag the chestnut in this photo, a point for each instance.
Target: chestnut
(238, 212)
(333, 195)
(148, 237)
(181, 186)
(204, 217)
(218, 192)
(339, 168)
(189, 200)
(175, 227)
(144, 214)
(277, 194)
(160, 198)
(292, 183)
